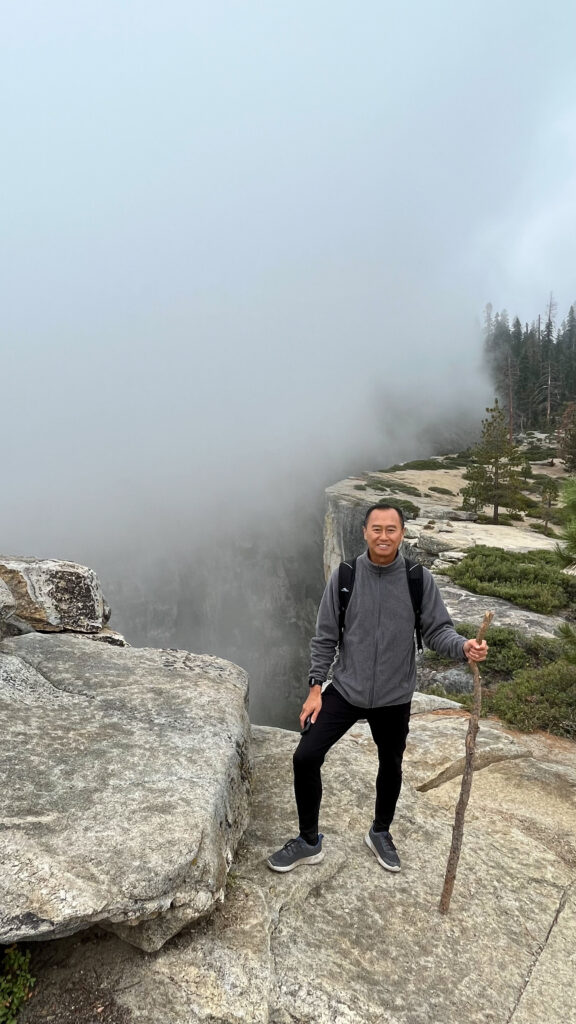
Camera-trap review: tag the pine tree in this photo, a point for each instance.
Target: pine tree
(494, 477)
(501, 354)
(549, 491)
(567, 448)
(567, 550)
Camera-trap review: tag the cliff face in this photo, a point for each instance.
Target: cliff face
(252, 600)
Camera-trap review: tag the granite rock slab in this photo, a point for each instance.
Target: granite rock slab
(345, 942)
(129, 775)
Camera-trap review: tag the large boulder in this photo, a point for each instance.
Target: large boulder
(345, 942)
(435, 542)
(126, 783)
(51, 595)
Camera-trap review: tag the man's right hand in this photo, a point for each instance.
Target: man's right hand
(312, 705)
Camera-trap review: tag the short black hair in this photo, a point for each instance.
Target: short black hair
(382, 505)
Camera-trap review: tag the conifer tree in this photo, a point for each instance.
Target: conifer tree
(549, 491)
(494, 477)
(567, 448)
(568, 549)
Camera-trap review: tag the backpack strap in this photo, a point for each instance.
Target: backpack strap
(346, 577)
(415, 577)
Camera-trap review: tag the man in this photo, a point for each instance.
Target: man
(374, 677)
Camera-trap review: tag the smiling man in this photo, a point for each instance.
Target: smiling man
(373, 677)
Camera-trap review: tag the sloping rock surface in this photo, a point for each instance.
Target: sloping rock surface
(345, 942)
(126, 787)
(466, 607)
(51, 595)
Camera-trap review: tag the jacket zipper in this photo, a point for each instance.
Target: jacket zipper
(377, 644)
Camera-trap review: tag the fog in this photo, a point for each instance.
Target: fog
(245, 250)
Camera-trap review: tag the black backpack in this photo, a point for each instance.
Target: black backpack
(415, 576)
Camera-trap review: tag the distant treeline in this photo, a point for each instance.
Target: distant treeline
(533, 367)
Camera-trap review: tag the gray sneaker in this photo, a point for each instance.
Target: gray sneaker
(384, 850)
(294, 852)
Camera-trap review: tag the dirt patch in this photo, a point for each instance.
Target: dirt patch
(79, 1004)
(69, 989)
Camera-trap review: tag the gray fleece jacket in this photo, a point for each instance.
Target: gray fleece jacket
(376, 662)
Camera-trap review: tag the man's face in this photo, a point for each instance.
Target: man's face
(383, 535)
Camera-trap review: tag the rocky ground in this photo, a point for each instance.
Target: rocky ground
(345, 942)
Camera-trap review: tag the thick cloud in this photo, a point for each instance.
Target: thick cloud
(247, 246)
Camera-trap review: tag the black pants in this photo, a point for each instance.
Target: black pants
(389, 726)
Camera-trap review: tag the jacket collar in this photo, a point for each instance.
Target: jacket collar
(382, 570)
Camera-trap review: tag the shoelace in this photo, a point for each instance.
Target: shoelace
(291, 842)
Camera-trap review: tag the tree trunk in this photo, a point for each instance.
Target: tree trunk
(510, 402)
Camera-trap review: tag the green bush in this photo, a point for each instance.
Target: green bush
(540, 528)
(410, 510)
(529, 503)
(16, 983)
(556, 515)
(440, 490)
(459, 461)
(359, 487)
(504, 519)
(423, 464)
(531, 579)
(382, 484)
(538, 453)
(419, 464)
(545, 699)
(509, 651)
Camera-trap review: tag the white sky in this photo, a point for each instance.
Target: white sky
(243, 242)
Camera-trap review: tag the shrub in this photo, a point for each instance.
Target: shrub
(558, 516)
(440, 490)
(540, 528)
(410, 510)
(382, 484)
(510, 651)
(545, 699)
(359, 487)
(539, 453)
(531, 579)
(504, 518)
(16, 983)
(529, 503)
(423, 464)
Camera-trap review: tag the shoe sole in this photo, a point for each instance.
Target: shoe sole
(303, 860)
(370, 845)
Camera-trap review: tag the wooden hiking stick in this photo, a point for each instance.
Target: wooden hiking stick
(458, 827)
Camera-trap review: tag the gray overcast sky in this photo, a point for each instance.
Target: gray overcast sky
(222, 223)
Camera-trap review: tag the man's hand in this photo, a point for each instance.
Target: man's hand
(475, 651)
(312, 706)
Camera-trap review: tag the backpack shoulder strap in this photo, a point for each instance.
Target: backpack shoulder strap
(346, 577)
(415, 576)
